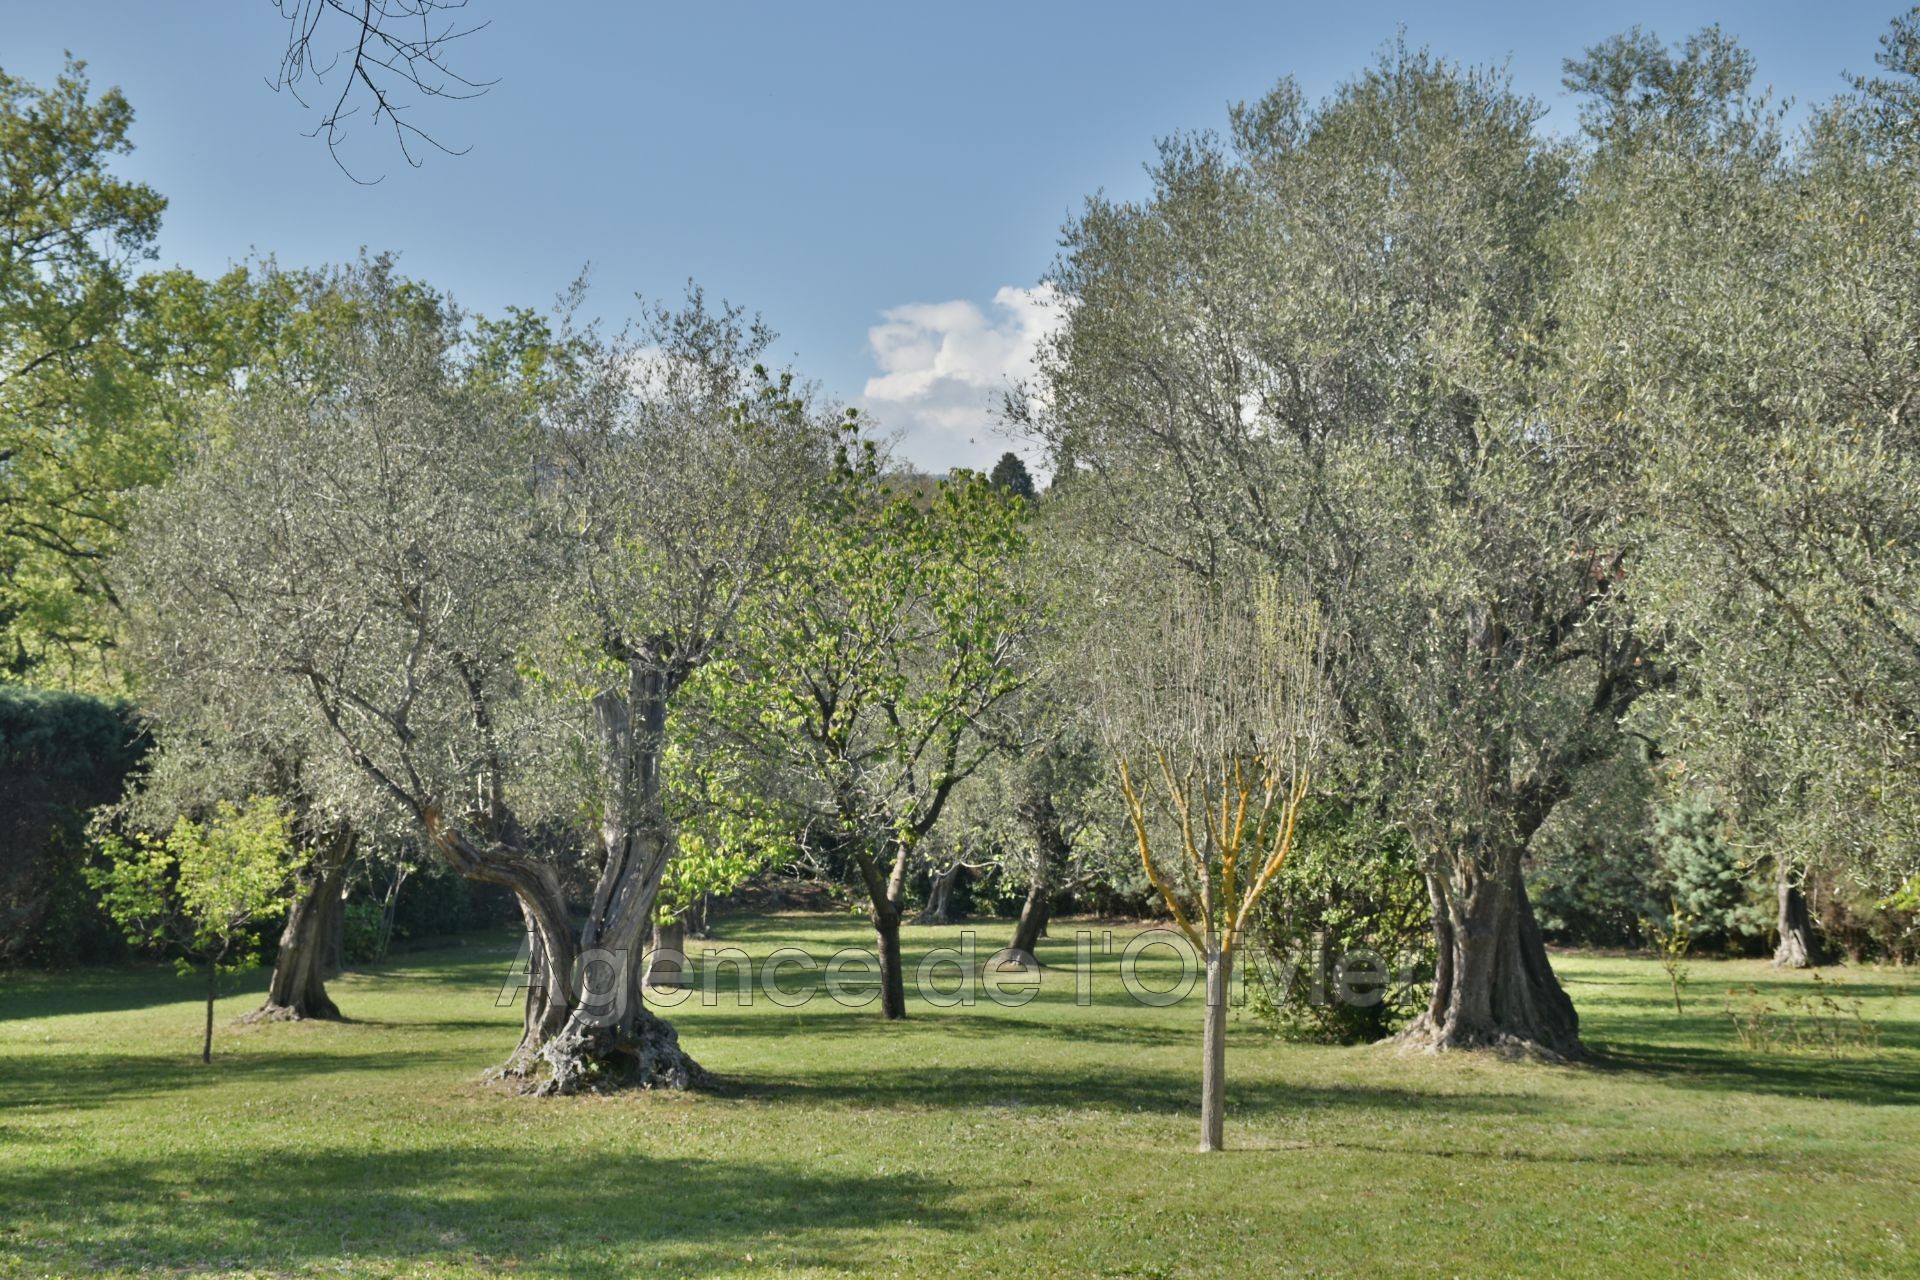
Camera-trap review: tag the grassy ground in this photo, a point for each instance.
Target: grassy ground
(1050, 1139)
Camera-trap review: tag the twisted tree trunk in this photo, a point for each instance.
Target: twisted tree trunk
(609, 1038)
(1493, 986)
(939, 908)
(585, 1026)
(1799, 946)
(298, 988)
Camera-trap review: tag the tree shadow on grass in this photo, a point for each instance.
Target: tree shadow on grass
(482, 965)
(66, 992)
(1104, 1088)
(1729, 1160)
(1884, 1078)
(579, 1210)
(822, 1018)
(73, 1081)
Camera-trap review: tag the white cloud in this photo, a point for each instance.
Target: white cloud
(944, 367)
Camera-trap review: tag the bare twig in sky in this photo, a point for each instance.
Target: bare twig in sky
(384, 50)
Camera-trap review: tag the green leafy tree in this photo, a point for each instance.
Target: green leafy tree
(894, 630)
(676, 466)
(201, 890)
(104, 372)
(731, 822)
(70, 232)
(1349, 899)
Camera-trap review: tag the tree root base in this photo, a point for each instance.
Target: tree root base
(329, 1012)
(601, 1060)
(1422, 1035)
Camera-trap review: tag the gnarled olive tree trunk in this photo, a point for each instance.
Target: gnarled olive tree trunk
(610, 1039)
(298, 988)
(585, 1025)
(1799, 946)
(1050, 852)
(939, 908)
(1493, 986)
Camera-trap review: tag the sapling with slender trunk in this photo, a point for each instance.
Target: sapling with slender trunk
(201, 889)
(1214, 709)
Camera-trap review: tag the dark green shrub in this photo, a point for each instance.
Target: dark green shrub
(61, 754)
(1350, 897)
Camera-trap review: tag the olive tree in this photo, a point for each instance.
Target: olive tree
(1740, 305)
(674, 467)
(224, 728)
(363, 543)
(486, 591)
(1319, 342)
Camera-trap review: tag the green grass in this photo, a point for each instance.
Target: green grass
(1051, 1139)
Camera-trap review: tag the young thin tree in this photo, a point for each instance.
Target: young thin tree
(222, 752)
(1214, 710)
(202, 889)
(894, 632)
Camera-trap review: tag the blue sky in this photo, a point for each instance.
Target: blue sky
(882, 182)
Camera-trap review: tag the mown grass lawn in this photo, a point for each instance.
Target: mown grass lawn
(1049, 1139)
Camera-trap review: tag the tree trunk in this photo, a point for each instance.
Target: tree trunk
(1493, 986)
(1051, 849)
(939, 908)
(1799, 946)
(607, 1038)
(666, 959)
(389, 912)
(1034, 912)
(886, 887)
(893, 983)
(1213, 1070)
(333, 934)
(551, 950)
(298, 988)
(213, 989)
